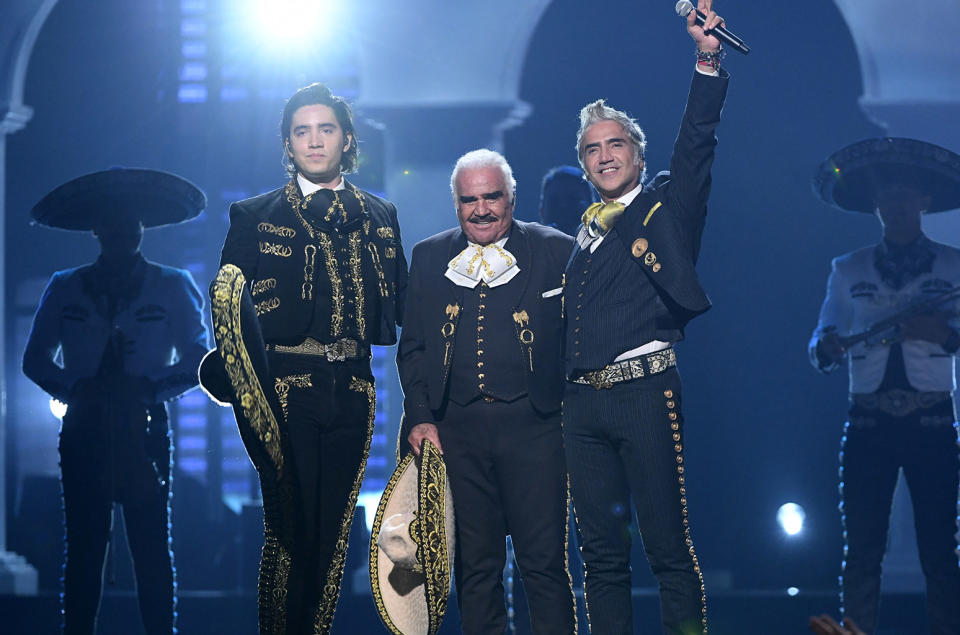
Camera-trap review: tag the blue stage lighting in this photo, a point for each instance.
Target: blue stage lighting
(791, 516)
(57, 408)
(369, 501)
(793, 591)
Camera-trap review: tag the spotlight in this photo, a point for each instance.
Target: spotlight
(790, 516)
(58, 408)
(793, 591)
(285, 23)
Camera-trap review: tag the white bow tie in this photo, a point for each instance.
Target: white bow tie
(492, 263)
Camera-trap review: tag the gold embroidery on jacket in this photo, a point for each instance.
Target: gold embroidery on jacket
(385, 232)
(384, 289)
(357, 276)
(283, 251)
(336, 285)
(282, 231)
(309, 258)
(261, 286)
(267, 305)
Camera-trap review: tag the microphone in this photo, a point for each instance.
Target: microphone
(685, 6)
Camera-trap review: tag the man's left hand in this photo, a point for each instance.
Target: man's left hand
(705, 42)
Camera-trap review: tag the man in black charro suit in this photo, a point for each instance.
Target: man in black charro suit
(631, 287)
(481, 369)
(327, 275)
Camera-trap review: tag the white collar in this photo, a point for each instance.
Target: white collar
(308, 187)
(627, 198)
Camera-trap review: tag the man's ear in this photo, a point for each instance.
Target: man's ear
(348, 143)
(286, 146)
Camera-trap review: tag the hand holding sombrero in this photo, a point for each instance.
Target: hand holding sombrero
(850, 178)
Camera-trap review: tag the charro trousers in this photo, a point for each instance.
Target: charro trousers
(623, 444)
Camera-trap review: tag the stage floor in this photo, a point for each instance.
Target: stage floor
(216, 613)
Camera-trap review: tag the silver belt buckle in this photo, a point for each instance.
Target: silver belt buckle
(340, 350)
(600, 379)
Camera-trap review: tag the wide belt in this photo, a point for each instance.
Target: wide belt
(897, 402)
(339, 351)
(633, 368)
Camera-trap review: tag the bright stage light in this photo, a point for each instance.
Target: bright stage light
(793, 591)
(791, 516)
(369, 501)
(58, 408)
(290, 23)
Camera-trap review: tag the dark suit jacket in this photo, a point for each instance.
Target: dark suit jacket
(427, 341)
(662, 227)
(279, 270)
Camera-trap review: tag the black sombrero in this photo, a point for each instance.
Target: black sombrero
(155, 197)
(236, 373)
(850, 177)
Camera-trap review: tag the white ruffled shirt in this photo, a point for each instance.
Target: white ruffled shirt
(490, 263)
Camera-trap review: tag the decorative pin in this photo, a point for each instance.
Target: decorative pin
(452, 311)
(521, 318)
(639, 247)
(385, 232)
(650, 258)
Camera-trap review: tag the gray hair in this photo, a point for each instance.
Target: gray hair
(483, 158)
(599, 111)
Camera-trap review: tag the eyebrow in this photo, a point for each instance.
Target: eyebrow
(596, 144)
(487, 196)
(306, 126)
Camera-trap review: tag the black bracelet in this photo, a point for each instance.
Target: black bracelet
(711, 58)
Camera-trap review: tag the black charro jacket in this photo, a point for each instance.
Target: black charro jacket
(269, 242)
(427, 342)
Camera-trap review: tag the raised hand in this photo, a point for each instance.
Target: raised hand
(705, 42)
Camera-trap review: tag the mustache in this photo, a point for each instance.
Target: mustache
(483, 218)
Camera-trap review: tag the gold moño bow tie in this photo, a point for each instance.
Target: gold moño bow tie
(605, 215)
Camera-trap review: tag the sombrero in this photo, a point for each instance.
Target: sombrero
(850, 177)
(155, 197)
(236, 373)
(412, 545)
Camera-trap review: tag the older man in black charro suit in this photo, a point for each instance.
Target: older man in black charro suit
(327, 275)
(481, 370)
(631, 287)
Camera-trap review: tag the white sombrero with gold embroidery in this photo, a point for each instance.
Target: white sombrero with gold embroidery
(412, 545)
